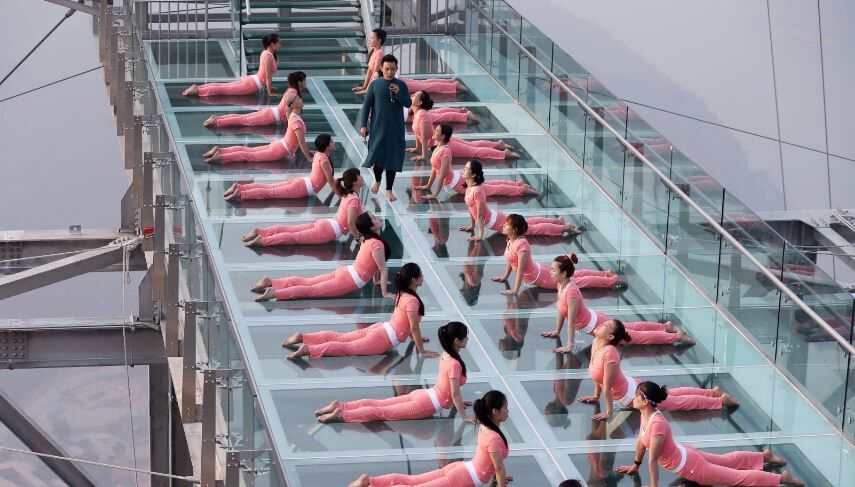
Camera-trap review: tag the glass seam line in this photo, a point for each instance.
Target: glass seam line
(427, 261)
(713, 304)
(673, 187)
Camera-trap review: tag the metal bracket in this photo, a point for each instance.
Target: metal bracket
(243, 460)
(192, 311)
(209, 425)
(13, 344)
(176, 252)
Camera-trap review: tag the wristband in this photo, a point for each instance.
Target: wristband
(636, 462)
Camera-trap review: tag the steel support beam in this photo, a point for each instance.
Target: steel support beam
(38, 247)
(79, 6)
(159, 410)
(37, 440)
(59, 270)
(212, 380)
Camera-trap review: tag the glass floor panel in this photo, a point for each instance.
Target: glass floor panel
(488, 123)
(505, 349)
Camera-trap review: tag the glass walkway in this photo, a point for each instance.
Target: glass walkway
(793, 390)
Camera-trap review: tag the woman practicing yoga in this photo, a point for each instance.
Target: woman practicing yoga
(284, 148)
(299, 187)
(440, 163)
(487, 463)
(571, 307)
(371, 259)
(518, 255)
(449, 115)
(483, 216)
(421, 403)
(379, 337)
(375, 42)
(424, 132)
(610, 380)
(266, 116)
(319, 231)
(734, 468)
(261, 81)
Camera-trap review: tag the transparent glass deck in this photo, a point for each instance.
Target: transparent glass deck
(551, 434)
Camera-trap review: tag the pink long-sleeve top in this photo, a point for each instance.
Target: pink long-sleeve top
(597, 370)
(349, 201)
(449, 368)
(583, 314)
(488, 442)
(400, 320)
(317, 176)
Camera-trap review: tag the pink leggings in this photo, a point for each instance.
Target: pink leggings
(332, 284)
(243, 86)
(585, 278)
(415, 405)
(644, 332)
(451, 475)
(689, 399)
(537, 225)
(444, 115)
(496, 187)
(263, 153)
(264, 116)
(734, 468)
(446, 86)
(317, 232)
(478, 149)
(291, 188)
(371, 340)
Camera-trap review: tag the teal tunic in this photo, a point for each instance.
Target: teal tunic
(386, 144)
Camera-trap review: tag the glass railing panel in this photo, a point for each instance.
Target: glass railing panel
(479, 30)
(506, 62)
(693, 244)
(646, 196)
(535, 89)
(568, 121)
(604, 156)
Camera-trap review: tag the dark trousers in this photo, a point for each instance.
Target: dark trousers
(390, 176)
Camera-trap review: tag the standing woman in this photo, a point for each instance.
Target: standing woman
(734, 468)
(487, 463)
(382, 105)
(254, 83)
(379, 337)
(518, 255)
(371, 259)
(266, 116)
(299, 187)
(421, 403)
(284, 148)
(319, 231)
(424, 132)
(375, 42)
(610, 380)
(482, 216)
(571, 307)
(440, 163)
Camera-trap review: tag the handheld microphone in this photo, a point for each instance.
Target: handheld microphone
(391, 94)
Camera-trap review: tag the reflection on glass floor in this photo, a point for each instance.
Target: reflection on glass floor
(552, 432)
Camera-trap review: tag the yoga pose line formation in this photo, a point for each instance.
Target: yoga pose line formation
(370, 265)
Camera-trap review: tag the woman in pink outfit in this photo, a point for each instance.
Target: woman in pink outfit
(734, 468)
(424, 131)
(261, 81)
(571, 307)
(518, 255)
(371, 260)
(266, 116)
(378, 338)
(319, 231)
(610, 380)
(439, 86)
(284, 148)
(487, 465)
(482, 216)
(420, 403)
(440, 163)
(375, 42)
(299, 187)
(449, 115)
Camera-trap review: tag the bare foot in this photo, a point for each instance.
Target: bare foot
(610, 272)
(509, 154)
(262, 285)
(362, 481)
(684, 339)
(267, 295)
(328, 408)
(255, 242)
(231, 189)
(501, 145)
(336, 416)
(375, 187)
(620, 284)
(461, 88)
(210, 121)
(193, 90)
(390, 196)
(788, 479)
(669, 327)
(529, 190)
(472, 118)
(233, 196)
(251, 235)
(212, 151)
(293, 340)
(560, 220)
(728, 401)
(571, 229)
(716, 391)
(772, 459)
(301, 352)
(215, 159)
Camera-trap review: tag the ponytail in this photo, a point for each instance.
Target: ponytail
(566, 264)
(403, 278)
(453, 330)
(363, 226)
(344, 184)
(491, 400)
